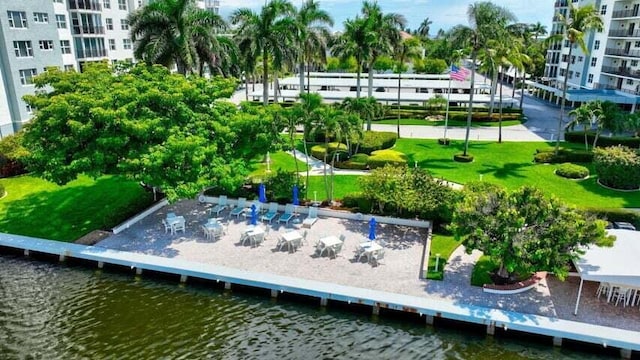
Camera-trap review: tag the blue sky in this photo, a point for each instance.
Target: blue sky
(443, 13)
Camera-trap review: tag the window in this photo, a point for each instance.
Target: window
(580, 58)
(570, 75)
(106, 4)
(112, 44)
(629, 82)
(577, 74)
(566, 43)
(562, 71)
(603, 10)
(23, 48)
(68, 67)
(65, 46)
(573, 59)
(126, 44)
(61, 21)
(596, 45)
(59, 1)
(590, 78)
(40, 17)
(46, 45)
(109, 23)
(634, 62)
(29, 109)
(17, 19)
(122, 4)
(124, 24)
(594, 61)
(26, 76)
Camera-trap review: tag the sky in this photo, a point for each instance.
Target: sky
(443, 13)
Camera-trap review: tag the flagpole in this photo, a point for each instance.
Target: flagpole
(446, 114)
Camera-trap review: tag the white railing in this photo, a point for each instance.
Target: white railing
(129, 222)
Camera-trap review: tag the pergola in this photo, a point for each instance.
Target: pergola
(617, 265)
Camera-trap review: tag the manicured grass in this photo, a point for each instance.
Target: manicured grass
(38, 208)
(511, 165)
(452, 123)
(342, 185)
(279, 160)
(443, 245)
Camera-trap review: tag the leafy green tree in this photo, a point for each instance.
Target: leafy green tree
(169, 32)
(423, 29)
(312, 36)
(366, 108)
(302, 113)
(147, 124)
(525, 231)
(268, 35)
(485, 21)
(580, 21)
(383, 63)
(433, 66)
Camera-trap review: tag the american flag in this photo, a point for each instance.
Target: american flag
(458, 73)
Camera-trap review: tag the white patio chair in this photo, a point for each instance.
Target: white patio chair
(178, 226)
(377, 257)
(288, 214)
(271, 213)
(222, 205)
(311, 218)
(239, 209)
(167, 227)
(603, 289)
(257, 239)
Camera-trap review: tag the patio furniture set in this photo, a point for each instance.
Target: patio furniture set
(619, 294)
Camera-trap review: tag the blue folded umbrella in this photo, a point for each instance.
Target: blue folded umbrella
(254, 214)
(296, 201)
(262, 193)
(372, 229)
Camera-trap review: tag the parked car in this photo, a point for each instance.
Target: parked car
(621, 225)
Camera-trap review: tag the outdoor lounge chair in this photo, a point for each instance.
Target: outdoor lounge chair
(239, 209)
(311, 218)
(288, 214)
(271, 213)
(222, 205)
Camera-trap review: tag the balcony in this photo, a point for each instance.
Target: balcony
(621, 71)
(624, 33)
(563, 3)
(612, 87)
(624, 14)
(80, 30)
(85, 5)
(622, 52)
(91, 53)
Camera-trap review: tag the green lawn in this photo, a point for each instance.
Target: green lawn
(342, 185)
(279, 160)
(481, 271)
(38, 208)
(443, 245)
(511, 165)
(441, 122)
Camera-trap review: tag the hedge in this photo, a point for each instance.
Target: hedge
(463, 158)
(454, 115)
(357, 202)
(548, 156)
(572, 171)
(357, 162)
(380, 158)
(377, 140)
(603, 141)
(618, 167)
(615, 215)
(318, 151)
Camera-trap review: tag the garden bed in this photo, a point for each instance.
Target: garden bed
(516, 288)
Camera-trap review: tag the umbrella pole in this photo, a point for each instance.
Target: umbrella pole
(575, 311)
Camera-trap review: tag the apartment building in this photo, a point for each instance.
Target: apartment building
(37, 34)
(613, 58)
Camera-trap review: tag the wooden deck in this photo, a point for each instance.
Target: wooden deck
(559, 329)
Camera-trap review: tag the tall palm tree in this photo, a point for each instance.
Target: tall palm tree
(425, 26)
(176, 32)
(268, 35)
(312, 36)
(384, 36)
(485, 21)
(582, 116)
(353, 42)
(580, 21)
(409, 49)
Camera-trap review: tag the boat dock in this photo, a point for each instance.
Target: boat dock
(557, 329)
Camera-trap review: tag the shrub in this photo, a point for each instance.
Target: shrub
(572, 171)
(578, 138)
(618, 167)
(318, 151)
(615, 215)
(444, 141)
(357, 162)
(548, 156)
(12, 156)
(463, 158)
(376, 140)
(357, 202)
(381, 158)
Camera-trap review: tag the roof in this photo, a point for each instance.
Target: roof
(617, 264)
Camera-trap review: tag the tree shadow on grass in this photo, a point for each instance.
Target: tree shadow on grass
(629, 199)
(506, 170)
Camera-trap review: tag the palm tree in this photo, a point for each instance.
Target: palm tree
(312, 36)
(582, 116)
(581, 20)
(408, 49)
(383, 36)
(176, 32)
(268, 35)
(423, 29)
(366, 108)
(485, 21)
(302, 113)
(353, 42)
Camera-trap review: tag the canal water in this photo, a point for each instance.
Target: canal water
(57, 311)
